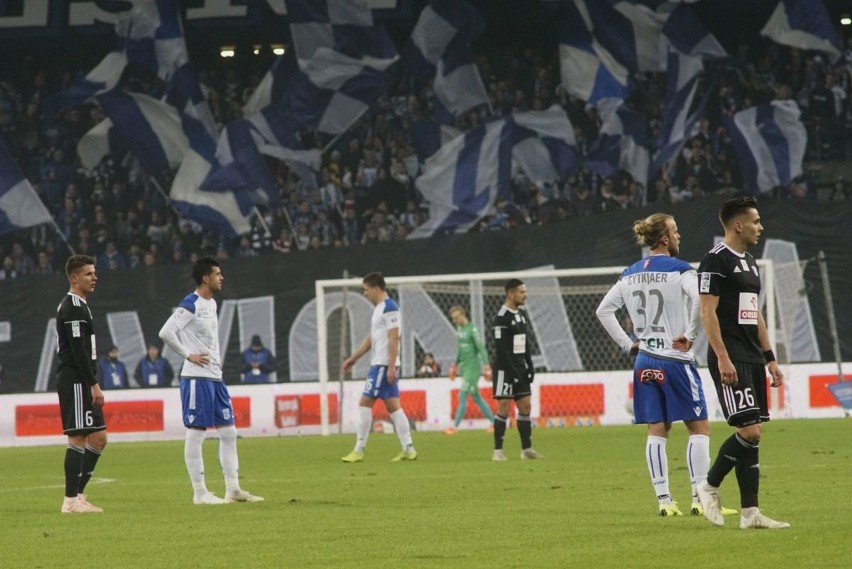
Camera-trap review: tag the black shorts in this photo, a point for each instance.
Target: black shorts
(505, 386)
(79, 415)
(743, 404)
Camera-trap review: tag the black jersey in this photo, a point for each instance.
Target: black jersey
(75, 335)
(735, 279)
(511, 332)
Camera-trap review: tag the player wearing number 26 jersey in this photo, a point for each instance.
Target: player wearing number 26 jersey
(660, 293)
(738, 355)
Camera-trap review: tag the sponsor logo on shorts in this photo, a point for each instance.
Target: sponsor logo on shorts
(648, 375)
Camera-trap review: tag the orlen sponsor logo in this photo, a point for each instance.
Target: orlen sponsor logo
(748, 314)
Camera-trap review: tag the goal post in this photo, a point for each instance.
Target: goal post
(567, 338)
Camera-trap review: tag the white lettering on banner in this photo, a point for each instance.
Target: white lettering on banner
(33, 16)
(39, 13)
(748, 309)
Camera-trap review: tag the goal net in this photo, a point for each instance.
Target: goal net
(568, 342)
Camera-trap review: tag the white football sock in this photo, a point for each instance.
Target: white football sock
(658, 465)
(195, 460)
(697, 460)
(402, 428)
(228, 458)
(365, 423)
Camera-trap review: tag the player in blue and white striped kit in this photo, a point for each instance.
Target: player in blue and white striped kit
(383, 377)
(193, 333)
(660, 293)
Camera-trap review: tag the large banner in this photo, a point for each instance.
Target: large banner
(264, 295)
(45, 18)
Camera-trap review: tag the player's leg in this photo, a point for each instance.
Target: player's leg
(195, 399)
(483, 406)
(524, 404)
(502, 391)
(375, 378)
(223, 419)
(656, 458)
(390, 395)
(95, 444)
(462, 407)
(76, 406)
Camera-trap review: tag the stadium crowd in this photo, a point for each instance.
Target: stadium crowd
(365, 191)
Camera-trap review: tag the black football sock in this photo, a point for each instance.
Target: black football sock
(748, 473)
(499, 431)
(73, 467)
(729, 454)
(90, 459)
(525, 430)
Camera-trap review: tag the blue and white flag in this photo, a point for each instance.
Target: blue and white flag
(345, 26)
(804, 24)
(151, 34)
(184, 93)
(150, 128)
(224, 211)
(543, 144)
(647, 22)
(333, 91)
(103, 78)
(770, 142)
(682, 78)
(273, 87)
(688, 36)
(440, 46)
(622, 144)
(428, 137)
(464, 178)
(20, 205)
(100, 141)
(588, 71)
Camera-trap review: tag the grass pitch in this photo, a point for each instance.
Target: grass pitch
(588, 504)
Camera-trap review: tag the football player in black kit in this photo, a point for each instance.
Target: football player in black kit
(80, 397)
(739, 353)
(513, 372)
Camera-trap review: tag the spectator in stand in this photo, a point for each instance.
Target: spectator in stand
(258, 362)
(8, 272)
(44, 265)
(428, 366)
(154, 370)
(24, 264)
(284, 243)
(111, 258)
(113, 372)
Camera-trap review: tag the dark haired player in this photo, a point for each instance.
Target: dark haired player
(739, 351)
(80, 397)
(513, 371)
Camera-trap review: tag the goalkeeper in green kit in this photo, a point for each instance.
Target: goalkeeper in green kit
(472, 362)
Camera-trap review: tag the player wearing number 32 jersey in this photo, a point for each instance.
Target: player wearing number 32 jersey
(660, 293)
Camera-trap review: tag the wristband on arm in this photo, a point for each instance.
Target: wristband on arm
(769, 356)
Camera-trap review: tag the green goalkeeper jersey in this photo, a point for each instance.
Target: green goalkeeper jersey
(472, 354)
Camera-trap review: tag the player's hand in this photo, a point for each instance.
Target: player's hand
(199, 359)
(454, 369)
(97, 395)
(348, 363)
(681, 343)
(727, 372)
(776, 373)
(486, 371)
(634, 349)
(392, 375)
(531, 375)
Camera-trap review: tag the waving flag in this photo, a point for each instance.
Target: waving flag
(681, 84)
(99, 142)
(345, 26)
(770, 143)
(440, 46)
(647, 26)
(622, 144)
(103, 78)
(688, 36)
(150, 34)
(804, 24)
(273, 87)
(428, 137)
(20, 205)
(588, 71)
(184, 94)
(464, 178)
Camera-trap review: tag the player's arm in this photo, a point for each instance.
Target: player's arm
(710, 321)
(768, 354)
(393, 353)
(356, 355)
(612, 301)
(689, 288)
(169, 334)
(481, 352)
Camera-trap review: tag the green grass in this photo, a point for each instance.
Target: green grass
(588, 504)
